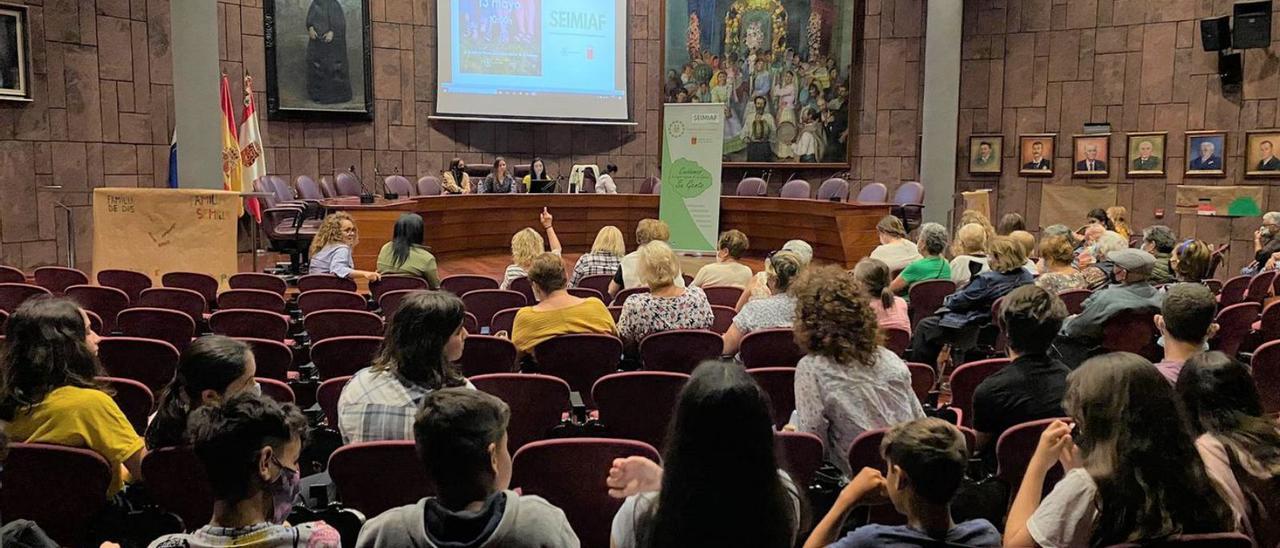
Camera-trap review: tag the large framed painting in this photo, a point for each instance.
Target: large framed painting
(319, 59)
(780, 67)
(15, 54)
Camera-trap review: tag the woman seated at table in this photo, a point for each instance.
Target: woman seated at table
(455, 179)
(666, 306)
(776, 311)
(605, 184)
(331, 248)
(557, 312)
(605, 256)
(527, 244)
(405, 254)
(499, 181)
(537, 172)
(931, 265)
(894, 249)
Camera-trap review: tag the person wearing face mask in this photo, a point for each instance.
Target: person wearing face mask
(455, 179)
(249, 447)
(211, 370)
(461, 437)
(1266, 242)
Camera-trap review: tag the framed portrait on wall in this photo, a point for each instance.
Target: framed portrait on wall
(1089, 156)
(1205, 153)
(1262, 153)
(1145, 156)
(985, 154)
(781, 68)
(1035, 154)
(319, 59)
(15, 54)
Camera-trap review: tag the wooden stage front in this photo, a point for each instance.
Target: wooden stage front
(482, 225)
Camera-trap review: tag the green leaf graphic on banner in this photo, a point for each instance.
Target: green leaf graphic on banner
(1244, 206)
(687, 178)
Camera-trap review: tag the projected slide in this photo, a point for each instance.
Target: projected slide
(558, 59)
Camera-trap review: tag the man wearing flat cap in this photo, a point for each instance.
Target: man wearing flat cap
(1081, 335)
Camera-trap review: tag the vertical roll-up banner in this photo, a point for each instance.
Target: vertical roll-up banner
(692, 149)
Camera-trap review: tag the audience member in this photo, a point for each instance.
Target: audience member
(847, 383)
(666, 306)
(726, 271)
(931, 265)
(891, 310)
(1031, 386)
(1089, 236)
(423, 340)
(971, 256)
(50, 393)
(1099, 216)
(1186, 325)
(605, 256)
(1266, 242)
(461, 437)
(894, 249)
(1158, 240)
(759, 286)
(775, 311)
(1192, 261)
(1010, 223)
(1028, 243)
(406, 255)
(331, 248)
(211, 370)
(1058, 230)
(455, 180)
(1082, 334)
(926, 461)
(966, 310)
(1239, 443)
(1058, 275)
(527, 244)
(628, 274)
(971, 216)
(249, 448)
(720, 483)
(557, 312)
(605, 184)
(1120, 220)
(1096, 265)
(1132, 471)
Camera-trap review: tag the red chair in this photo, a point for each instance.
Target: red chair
(343, 356)
(1208, 540)
(251, 299)
(724, 318)
(621, 297)
(1013, 452)
(580, 359)
(395, 283)
(800, 454)
(897, 339)
(679, 351)
(1234, 323)
(1260, 286)
(470, 323)
(1214, 285)
(106, 302)
(402, 478)
(11, 275)
(485, 354)
(462, 284)
(327, 398)
(58, 278)
(128, 281)
(148, 361)
(13, 295)
(540, 468)
(4, 319)
(923, 378)
(616, 312)
(169, 326)
(273, 358)
(174, 298)
(177, 483)
(330, 299)
(1074, 299)
(255, 280)
(864, 452)
(249, 323)
(390, 301)
(598, 282)
(312, 282)
(484, 303)
(276, 390)
(1132, 331)
(61, 488)
(204, 284)
(587, 293)
(770, 348)
(638, 405)
(95, 321)
(1217, 258)
(925, 298)
(1268, 327)
(1233, 291)
(523, 286)
(1266, 373)
(779, 384)
(965, 380)
(134, 400)
(327, 324)
(723, 296)
(537, 403)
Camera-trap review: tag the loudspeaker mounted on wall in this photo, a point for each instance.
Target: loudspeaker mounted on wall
(1230, 69)
(1215, 34)
(1252, 24)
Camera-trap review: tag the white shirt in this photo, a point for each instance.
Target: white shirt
(808, 144)
(960, 268)
(605, 185)
(898, 254)
(1066, 516)
(630, 265)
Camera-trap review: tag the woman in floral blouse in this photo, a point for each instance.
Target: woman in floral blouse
(667, 306)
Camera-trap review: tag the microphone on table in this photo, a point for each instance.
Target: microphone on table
(366, 197)
(790, 177)
(386, 191)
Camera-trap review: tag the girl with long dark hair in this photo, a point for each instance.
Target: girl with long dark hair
(537, 172)
(211, 370)
(405, 254)
(455, 180)
(719, 484)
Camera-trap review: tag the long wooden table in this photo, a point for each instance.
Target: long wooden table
(471, 225)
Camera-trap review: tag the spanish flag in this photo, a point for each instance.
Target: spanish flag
(231, 168)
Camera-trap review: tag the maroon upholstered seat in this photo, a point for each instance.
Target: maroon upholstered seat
(503, 320)
(327, 324)
(1259, 286)
(204, 284)
(313, 282)
(128, 281)
(106, 302)
(800, 454)
(723, 318)
(148, 361)
(680, 351)
(537, 403)
(58, 278)
(923, 378)
(1013, 452)
(12, 295)
(1234, 323)
(1074, 299)
(926, 297)
(1233, 291)
(484, 354)
(621, 298)
(460, 284)
(770, 348)
(276, 389)
(343, 356)
(586, 293)
(177, 482)
(1265, 366)
(273, 358)
(254, 280)
(251, 299)
(1132, 331)
(160, 324)
(250, 323)
(402, 478)
(779, 384)
(638, 405)
(186, 301)
(484, 303)
(579, 359)
(327, 397)
(390, 301)
(723, 296)
(395, 283)
(330, 299)
(598, 282)
(965, 380)
(60, 488)
(134, 399)
(523, 286)
(11, 275)
(896, 339)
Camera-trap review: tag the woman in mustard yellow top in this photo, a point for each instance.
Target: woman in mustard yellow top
(557, 312)
(50, 395)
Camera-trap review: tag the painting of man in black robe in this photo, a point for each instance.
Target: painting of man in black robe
(318, 59)
(328, 74)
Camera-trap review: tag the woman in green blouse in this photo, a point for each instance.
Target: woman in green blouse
(406, 255)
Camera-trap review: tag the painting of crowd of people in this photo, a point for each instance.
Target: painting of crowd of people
(786, 94)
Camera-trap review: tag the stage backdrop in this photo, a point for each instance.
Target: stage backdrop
(781, 66)
(690, 202)
(156, 231)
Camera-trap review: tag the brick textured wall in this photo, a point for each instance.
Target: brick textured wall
(1035, 66)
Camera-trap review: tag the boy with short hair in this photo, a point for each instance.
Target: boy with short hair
(926, 459)
(1186, 323)
(726, 271)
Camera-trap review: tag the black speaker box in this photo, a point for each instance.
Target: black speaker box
(1230, 69)
(1215, 34)
(1252, 25)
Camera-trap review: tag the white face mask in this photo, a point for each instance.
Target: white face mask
(256, 389)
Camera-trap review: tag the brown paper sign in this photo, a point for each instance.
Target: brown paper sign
(1234, 201)
(1068, 204)
(156, 231)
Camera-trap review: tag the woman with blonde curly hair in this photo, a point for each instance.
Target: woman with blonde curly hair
(527, 244)
(971, 216)
(847, 383)
(331, 248)
(970, 250)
